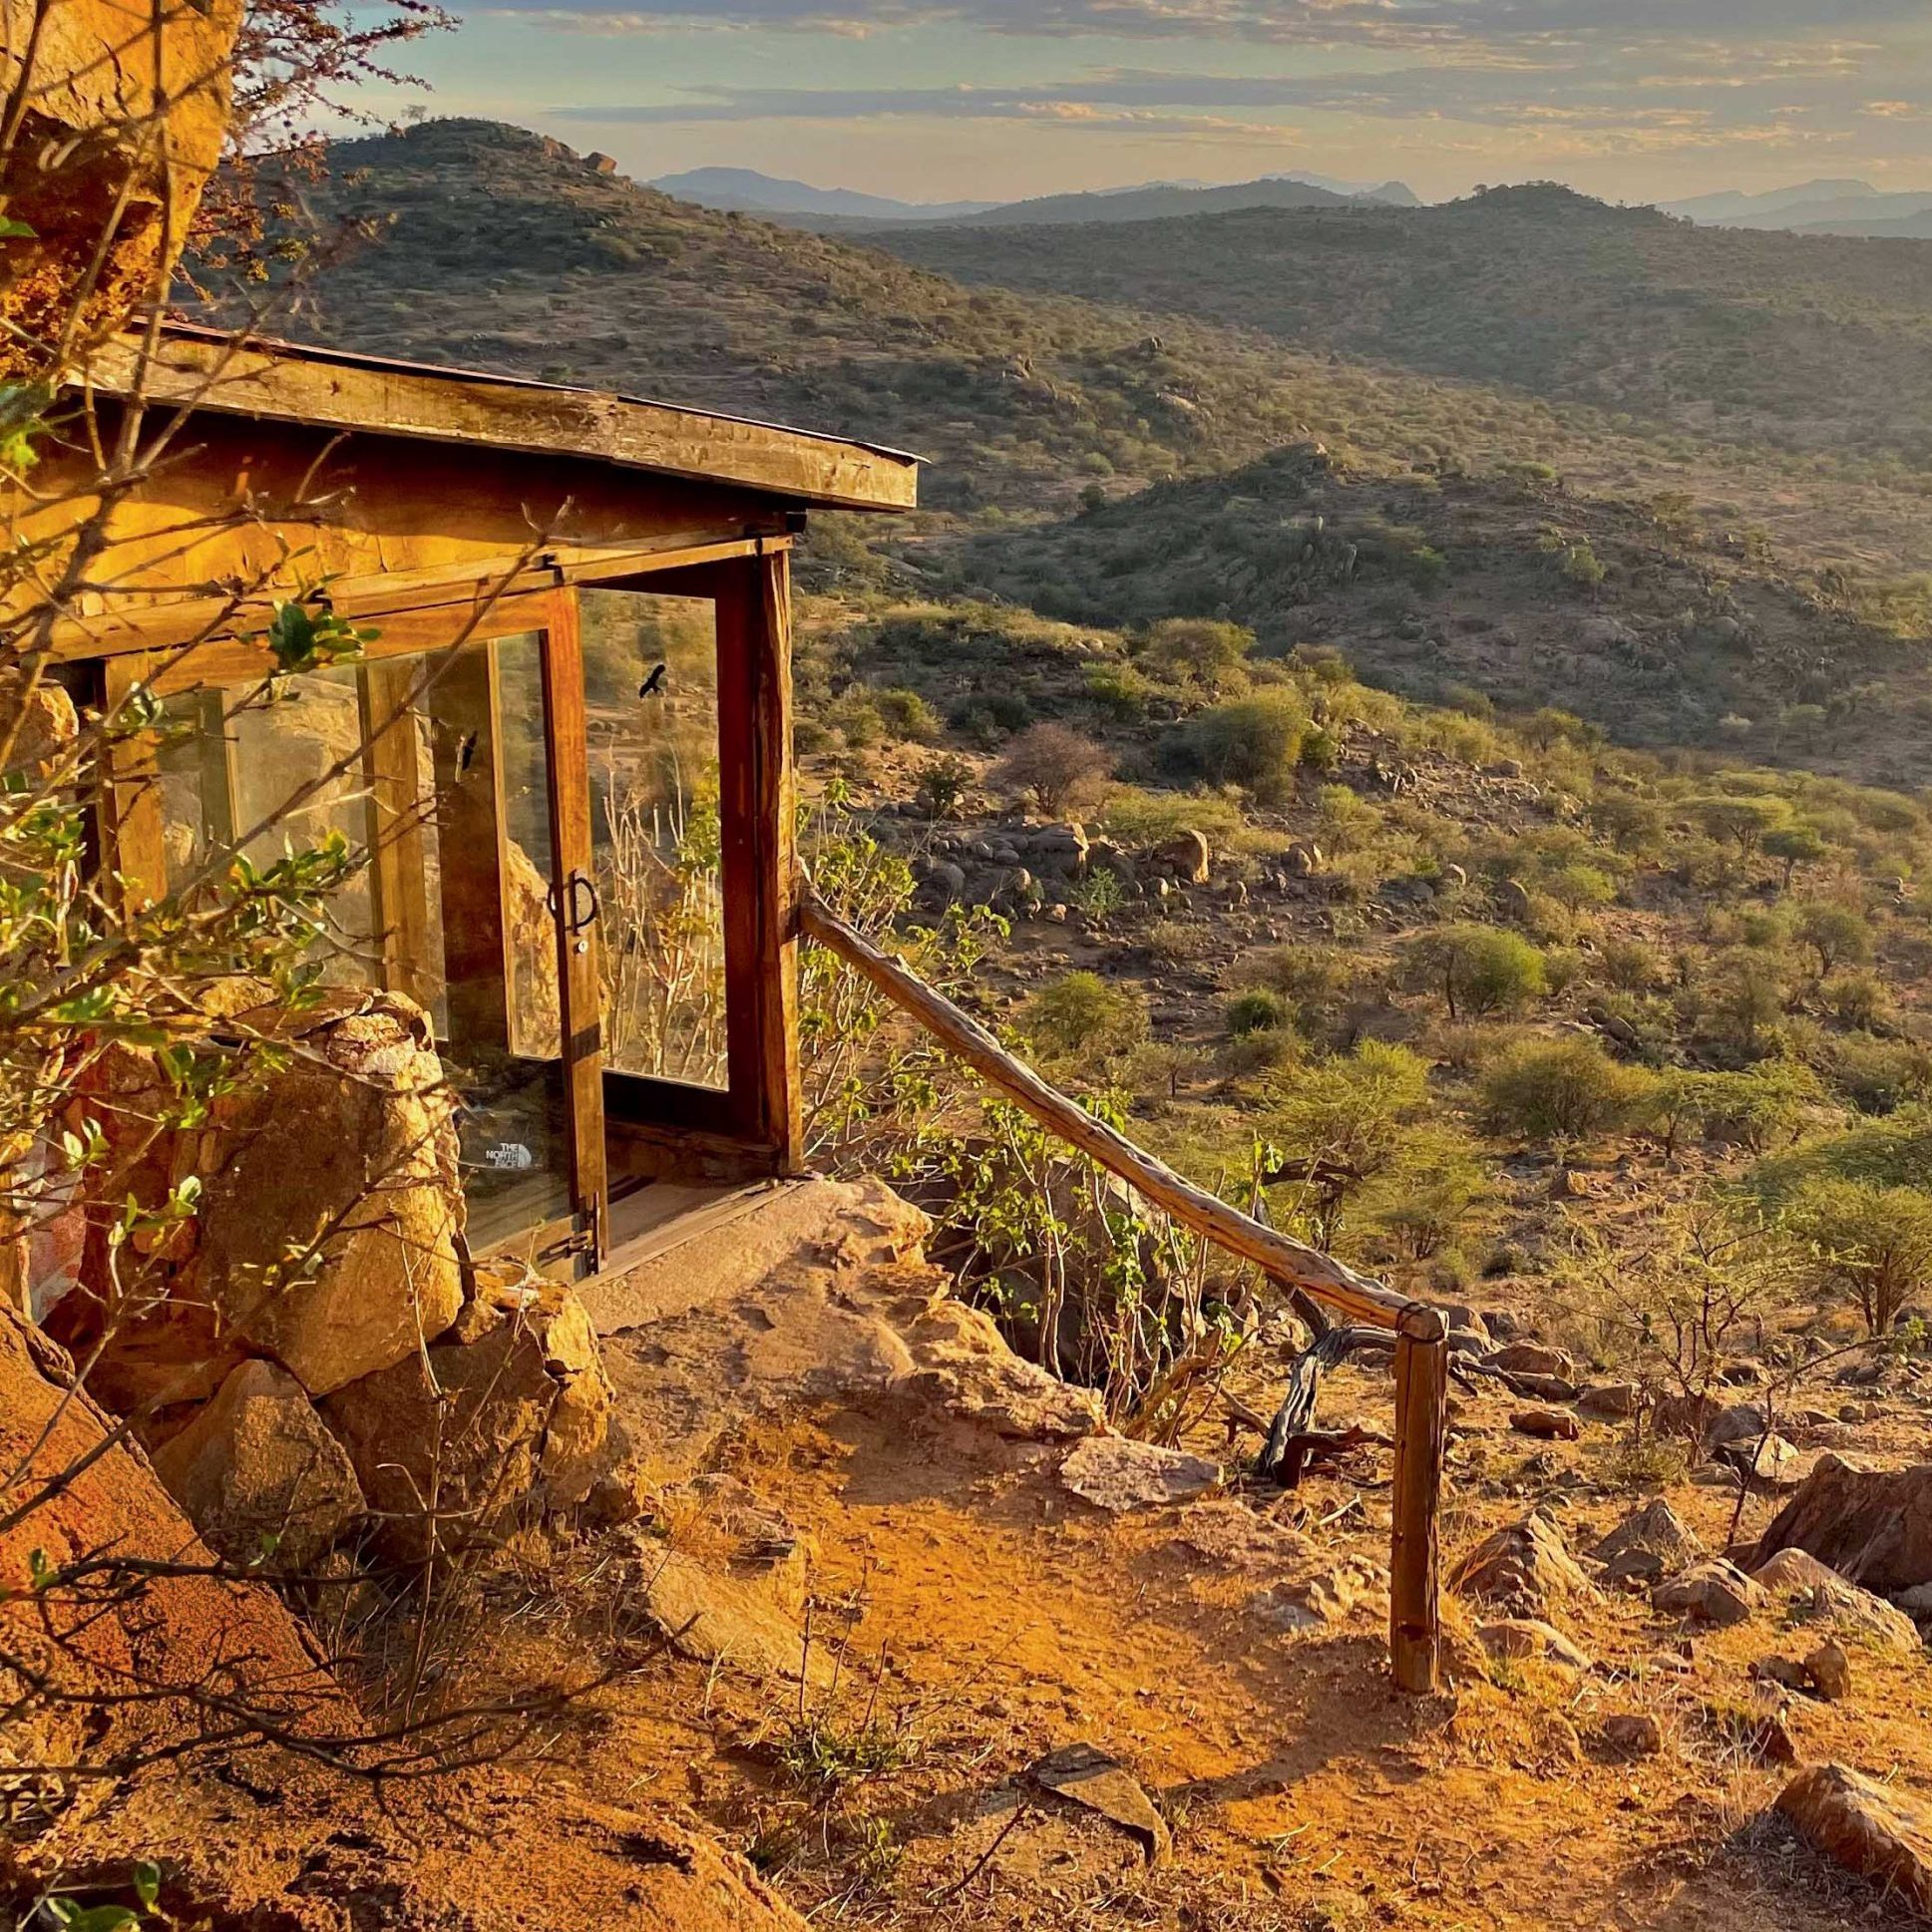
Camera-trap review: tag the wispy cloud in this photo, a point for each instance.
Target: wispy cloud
(1636, 100)
(1305, 23)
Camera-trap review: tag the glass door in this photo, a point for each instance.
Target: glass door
(482, 898)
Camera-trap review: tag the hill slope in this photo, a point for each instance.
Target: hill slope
(1806, 342)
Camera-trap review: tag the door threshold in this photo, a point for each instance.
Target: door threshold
(661, 1217)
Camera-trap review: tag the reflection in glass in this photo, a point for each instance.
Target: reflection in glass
(651, 721)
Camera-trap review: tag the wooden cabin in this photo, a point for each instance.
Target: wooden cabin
(565, 743)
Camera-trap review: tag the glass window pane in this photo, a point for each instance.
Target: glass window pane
(651, 721)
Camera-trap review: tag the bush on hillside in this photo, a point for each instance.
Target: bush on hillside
(1198, 650)
(1054, 767)
(1479, 969)
(1251, 742)
(1561, 1093)
(1083, 1014)
(1873, 1243)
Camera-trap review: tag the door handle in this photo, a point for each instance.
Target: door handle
(591, 913)
(581, 914)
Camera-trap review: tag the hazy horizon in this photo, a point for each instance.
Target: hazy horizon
(998, 100)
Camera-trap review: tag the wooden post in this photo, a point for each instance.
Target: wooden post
(1421, 1406)
(578, 933)
(757, 812)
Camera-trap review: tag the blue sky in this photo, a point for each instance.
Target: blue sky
(992, 99)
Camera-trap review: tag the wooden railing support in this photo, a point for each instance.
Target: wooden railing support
(1422, 1335)
(1422, 1411)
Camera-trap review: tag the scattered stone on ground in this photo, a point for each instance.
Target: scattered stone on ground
(1525, 1564)
(1819, 1595)
(1520, 1637)
(723, 1620)
(1084, 1774)
(1877, 1830)
(1830, 1671)
(1225, 1532)
(1117, 1472)
(1608, 1401)
(1647, 1544)
(1636, 1733)
(1546, 1424)
(1769, 1464)
(1712, 1592)
(1327, 1597)
(1533, 1359)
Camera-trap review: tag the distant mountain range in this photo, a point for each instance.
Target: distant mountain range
(1814, 208)
(746, 190)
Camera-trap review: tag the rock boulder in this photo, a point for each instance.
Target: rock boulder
(1873, 1526)
(508, 1415)
(350, 1157)
(1525, 1564)
(1877, 1830)
(258, 1462)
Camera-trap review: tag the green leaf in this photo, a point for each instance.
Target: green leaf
(12, 229)
(91, 1918)
(147, 1877)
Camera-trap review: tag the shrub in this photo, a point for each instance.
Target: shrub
(1479, 970)
(1053, 766)
(1344, 1125)
(1256, 1011)
(1424, 1200)
(1859, 1000)
(1879, 1076)
(906, 715)
(1120, 691)
(1756, 1108)
(1199, 651)
(1798, 845)
(942, 786)
(856, 720)
(1631, 967)
(1251, 742)
(1562, 1092)
(1085, 1015)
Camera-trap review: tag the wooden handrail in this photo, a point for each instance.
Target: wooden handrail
(1315, 1273)
(1422, 1335)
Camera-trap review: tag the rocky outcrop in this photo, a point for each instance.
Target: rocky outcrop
(1817, 1594)
(260, 1473)
(1873, 1526)
(124, 114)
(1877, 1830)
(166, 1627)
